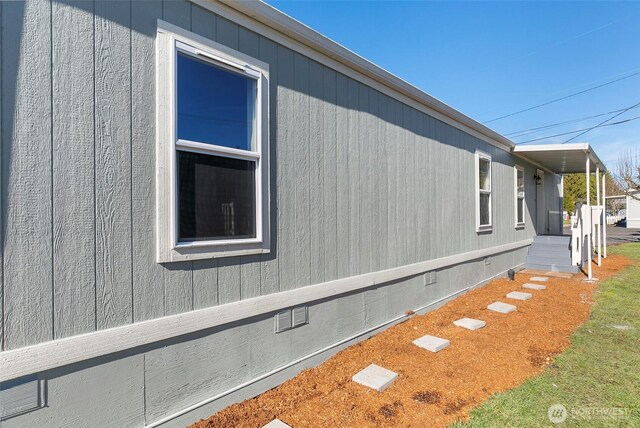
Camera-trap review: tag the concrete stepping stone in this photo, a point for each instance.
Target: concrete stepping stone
(534, 286)
(539, 278)
(503, 308)
(469, 323)
(375, 377)
(431, 343)
(519, 295)
(276, 423)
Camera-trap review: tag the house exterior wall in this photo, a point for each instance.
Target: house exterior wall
(552, 188)
(360, 183)
(633, 212)
(143, 387)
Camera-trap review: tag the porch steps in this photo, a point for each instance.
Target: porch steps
(567, 268)
(549, 259)
(550, 253)
(553, 239)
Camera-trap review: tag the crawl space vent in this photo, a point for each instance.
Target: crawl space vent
(291, 318)
(20, 396)
(430, 277)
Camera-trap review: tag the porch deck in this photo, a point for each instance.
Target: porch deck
(551, 253)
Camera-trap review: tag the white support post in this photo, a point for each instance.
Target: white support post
(604, 207)
(599, 228)
(590, 219)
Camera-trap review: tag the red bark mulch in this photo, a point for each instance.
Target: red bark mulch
(432, 389)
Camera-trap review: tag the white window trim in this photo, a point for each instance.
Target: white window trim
(519, 225)
(169, 39)
(483, 227)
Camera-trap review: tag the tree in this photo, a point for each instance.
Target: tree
(613, 189)
(575, 190)
(612, 186)
(569, 202)
(628, 173)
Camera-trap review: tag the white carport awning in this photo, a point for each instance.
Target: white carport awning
(562, 158)
(576, 158)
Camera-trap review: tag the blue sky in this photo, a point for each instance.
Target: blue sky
(488, 59)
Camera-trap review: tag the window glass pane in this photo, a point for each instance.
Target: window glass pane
(484, 209)
(216, 197)
(520, 183)
(215, 105)
(520, 205)
(485, 168)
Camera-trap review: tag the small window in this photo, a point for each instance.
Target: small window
(519, 195)
(483, 192)
(212, 149)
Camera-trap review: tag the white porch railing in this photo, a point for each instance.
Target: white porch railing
(584, 226)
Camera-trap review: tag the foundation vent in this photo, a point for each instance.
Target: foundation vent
(430, 277)
(300, 316)
(20, 396)
(291, 318)
(283, 320)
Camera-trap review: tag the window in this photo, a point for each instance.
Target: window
(483, 192)
(212, 165)
(519, 195)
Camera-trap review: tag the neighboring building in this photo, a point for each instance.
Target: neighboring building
(633, 210)
(182, 179)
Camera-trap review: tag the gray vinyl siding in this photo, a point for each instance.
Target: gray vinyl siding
(140, 386)
(359, 181)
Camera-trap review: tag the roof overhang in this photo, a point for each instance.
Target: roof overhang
(558, 158)
(322, 46)
(562, 158)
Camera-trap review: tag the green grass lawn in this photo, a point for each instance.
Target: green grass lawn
(599, 372)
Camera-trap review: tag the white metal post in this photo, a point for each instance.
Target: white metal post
(604, 203)
(590, 219)
(599, 228)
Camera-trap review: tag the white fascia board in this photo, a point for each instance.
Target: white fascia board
(551, 147)
(283, 29)
(44, 356)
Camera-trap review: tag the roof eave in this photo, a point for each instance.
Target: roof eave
(578, 147)
(296, 30)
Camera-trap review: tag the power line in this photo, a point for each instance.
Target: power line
(580, 130)
(602, 123)
(524, 132)
(565, 97)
